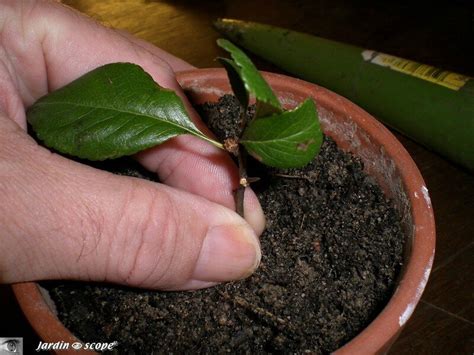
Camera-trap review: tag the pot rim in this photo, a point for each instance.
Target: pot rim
(419, 262)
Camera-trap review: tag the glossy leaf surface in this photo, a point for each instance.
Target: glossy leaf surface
(287, 140)
(236, 82)
(112, 111)
(266, 101)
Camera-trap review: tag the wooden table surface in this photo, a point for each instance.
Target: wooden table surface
(443, 322)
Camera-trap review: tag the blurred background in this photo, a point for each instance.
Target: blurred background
(435, 33)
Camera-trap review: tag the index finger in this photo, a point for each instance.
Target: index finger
(50, 45)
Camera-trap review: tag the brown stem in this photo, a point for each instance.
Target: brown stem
(232, 145)
(239, 201)
(243, 183)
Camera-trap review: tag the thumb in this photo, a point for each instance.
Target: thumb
(61, 219)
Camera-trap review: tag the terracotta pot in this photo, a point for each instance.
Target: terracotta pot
(385, 159)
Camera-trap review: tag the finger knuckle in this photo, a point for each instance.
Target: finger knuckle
(151, 235)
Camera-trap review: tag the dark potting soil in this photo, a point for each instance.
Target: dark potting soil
(332, 251)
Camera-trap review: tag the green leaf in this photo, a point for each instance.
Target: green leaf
(114, 110)
(238, 86)
(287, 140)
(266, 101)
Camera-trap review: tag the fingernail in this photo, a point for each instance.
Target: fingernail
(229, 252)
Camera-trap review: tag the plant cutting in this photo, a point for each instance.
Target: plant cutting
(118, 110)
(271, 324)
(419, 100)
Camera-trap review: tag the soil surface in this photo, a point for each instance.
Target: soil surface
(332, 251)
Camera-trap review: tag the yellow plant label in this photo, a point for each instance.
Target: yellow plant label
(432, 74)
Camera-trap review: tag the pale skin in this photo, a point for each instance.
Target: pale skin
(63, 220)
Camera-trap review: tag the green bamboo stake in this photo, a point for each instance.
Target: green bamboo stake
(432, 106)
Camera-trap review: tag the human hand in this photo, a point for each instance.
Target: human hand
(63, 220)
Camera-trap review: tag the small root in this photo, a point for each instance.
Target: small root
(286, 176)
(264, 314)
(302, 222)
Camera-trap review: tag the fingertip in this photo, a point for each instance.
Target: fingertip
(229, 252)
(253, 212)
